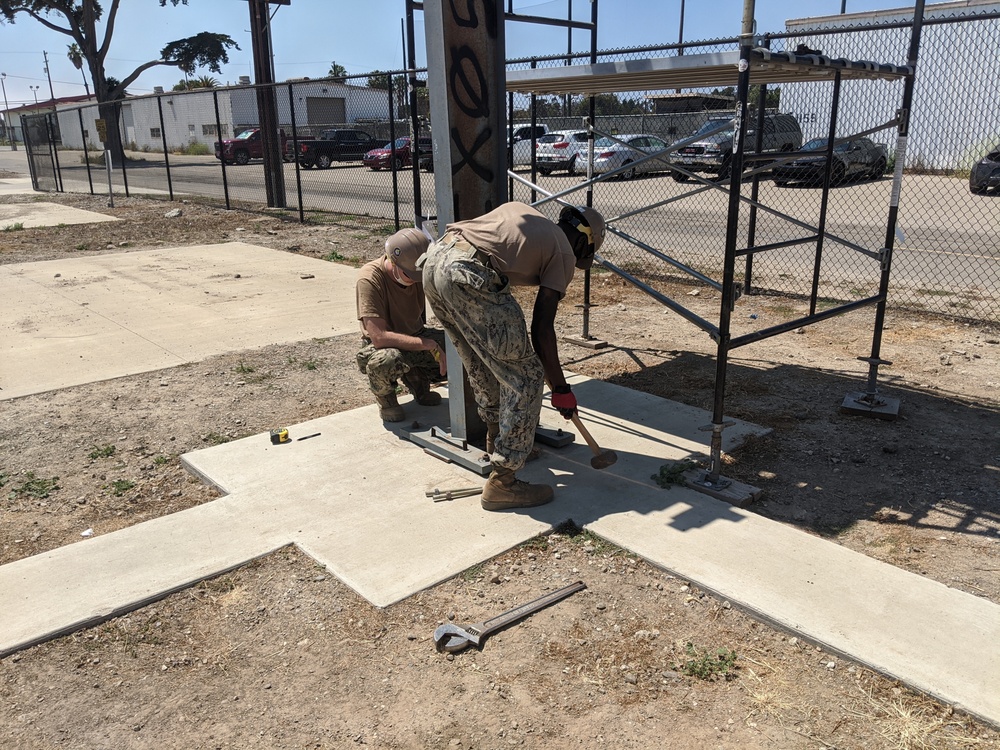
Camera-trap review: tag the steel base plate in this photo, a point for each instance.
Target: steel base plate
(862, 404)
(554, 437)
(440, 444)
(590, 343)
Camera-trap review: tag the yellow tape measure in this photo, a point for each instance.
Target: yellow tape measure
(279, 435)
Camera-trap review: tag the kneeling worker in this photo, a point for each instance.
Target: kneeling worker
(396, 343)
(467, 277)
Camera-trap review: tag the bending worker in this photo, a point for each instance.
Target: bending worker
(467, 278)
(396, 343)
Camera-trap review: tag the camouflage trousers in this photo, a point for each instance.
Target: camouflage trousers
(486, 324)
(385, 366)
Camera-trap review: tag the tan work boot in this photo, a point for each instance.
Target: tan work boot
(389, 408)
(420, 386)
(503, 491)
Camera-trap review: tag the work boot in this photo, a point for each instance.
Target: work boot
(420, 386)
(503, 491)
(389, 408)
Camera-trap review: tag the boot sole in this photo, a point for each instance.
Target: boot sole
(491, 505)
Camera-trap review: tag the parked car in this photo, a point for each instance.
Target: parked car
(714, 153)
(561, 149)
(610, 155)
(395, 155)
(857, 158)
(525, 132)
(522, 146)
(335, 144)
(986, 173)
(244, 147)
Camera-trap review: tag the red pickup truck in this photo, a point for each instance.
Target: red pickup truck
(244, 147)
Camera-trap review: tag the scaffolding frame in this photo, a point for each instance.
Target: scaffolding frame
(753, 63)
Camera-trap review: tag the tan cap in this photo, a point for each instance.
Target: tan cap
(403, 249)
(588, 221)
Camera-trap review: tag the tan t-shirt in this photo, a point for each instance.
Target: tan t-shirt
(379, 296)
(527, 247)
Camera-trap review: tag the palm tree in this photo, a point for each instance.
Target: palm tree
(75, 55)
(204, 82)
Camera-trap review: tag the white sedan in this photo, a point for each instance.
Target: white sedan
(610, 154)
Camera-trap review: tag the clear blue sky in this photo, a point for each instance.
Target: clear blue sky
(362, 36)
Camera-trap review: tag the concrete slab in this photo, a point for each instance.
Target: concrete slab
(15, 186)
(112, 315)
(386, 540)
(43, 214)
(329, 495)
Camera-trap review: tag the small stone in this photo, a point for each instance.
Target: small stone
(800, 330)
(602, 606)
(175, 213)
(630, 678)
(307, 276)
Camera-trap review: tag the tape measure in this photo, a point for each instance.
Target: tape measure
(279, 435)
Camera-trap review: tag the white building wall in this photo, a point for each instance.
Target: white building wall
(956, 105)
(360, 102)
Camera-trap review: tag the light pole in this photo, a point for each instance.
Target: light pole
(6, 113)
(34, 90)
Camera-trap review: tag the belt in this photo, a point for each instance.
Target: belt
(480, 256)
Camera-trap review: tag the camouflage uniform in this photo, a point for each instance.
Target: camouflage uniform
(486, 324)
(386, 366)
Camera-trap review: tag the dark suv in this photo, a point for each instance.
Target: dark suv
(714, 152)
(337, 144)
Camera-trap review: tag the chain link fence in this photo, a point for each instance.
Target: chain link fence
(945, 247)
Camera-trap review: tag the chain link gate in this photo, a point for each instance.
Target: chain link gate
(42, 159)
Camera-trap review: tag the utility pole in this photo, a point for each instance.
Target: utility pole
(52, 94)
(6, 113)
(267, 103)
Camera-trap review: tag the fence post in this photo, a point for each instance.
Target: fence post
(295, 154)
(163, 138)
(218, 134)
(86, 154)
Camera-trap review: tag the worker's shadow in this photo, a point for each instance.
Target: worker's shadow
(646, 433)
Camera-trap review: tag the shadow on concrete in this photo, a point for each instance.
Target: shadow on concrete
(936, 467)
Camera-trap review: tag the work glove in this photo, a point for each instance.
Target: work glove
(564, 401)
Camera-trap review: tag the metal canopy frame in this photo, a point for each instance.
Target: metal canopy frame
(714, 69)
(755, 64)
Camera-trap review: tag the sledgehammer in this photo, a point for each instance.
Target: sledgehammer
(602, 459)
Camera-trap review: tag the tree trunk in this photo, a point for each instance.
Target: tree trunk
(109, 112)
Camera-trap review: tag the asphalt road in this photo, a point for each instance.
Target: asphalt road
(946, 242)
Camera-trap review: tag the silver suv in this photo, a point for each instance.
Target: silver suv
(714, 153)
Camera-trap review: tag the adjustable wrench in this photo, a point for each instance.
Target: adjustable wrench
(452, 638)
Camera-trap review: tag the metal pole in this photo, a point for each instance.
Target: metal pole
(411, 64)
(871, 396)
(6, 114)
(295, 153)
(86, 154)
(52, 94)
(163, 139)
(732, 229)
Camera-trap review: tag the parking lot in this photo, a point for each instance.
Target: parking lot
(945, 245)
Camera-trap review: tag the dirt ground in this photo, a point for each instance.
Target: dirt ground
(279, 654)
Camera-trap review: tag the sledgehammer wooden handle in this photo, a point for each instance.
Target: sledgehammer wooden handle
(602, 458)
(586, 435)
